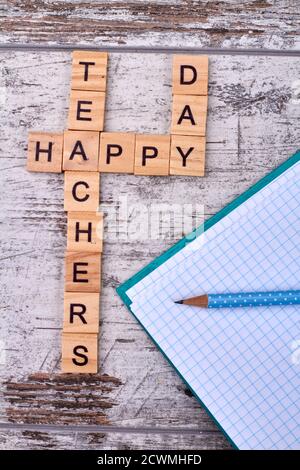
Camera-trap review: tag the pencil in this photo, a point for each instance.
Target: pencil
(243, 299)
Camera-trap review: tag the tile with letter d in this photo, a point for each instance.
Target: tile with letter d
(86, 111)
(82, 271)
(187, 155)
(89, 70)
(190, 75)
(152, 154)
(189, 115)
(116, 152)
(85, 231)
(81, 312)
(45, 150)
(79, 353)
(82, 191)
(81, 150)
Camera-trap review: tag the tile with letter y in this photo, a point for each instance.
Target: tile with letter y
(81, 312)
(187, 155)
(45, 151)
(86, 110)
(85, 231)
(189, 115)
(152, 154)
(81, 150)
(79, 353)
(89, 70)
(82, 271)
(82, 191)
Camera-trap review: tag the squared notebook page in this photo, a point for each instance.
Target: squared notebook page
(240, 363)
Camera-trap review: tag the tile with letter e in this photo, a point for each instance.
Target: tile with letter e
(152, 154)
(86, 111)
(89, 70)
(82, 271)
(81, 312)
(189, 115)
(79, 353)
(187, 155)
(81, 150)
(190, 75)
(116, 152)
(45, 150)
(85, 231)
(82, 191)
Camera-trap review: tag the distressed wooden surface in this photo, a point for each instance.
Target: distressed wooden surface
(253, 125)
(271, 24)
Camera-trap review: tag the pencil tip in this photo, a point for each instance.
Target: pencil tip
(178, 302)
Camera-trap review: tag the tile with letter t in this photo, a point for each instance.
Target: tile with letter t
(82, 191)
(187, 155)
(116, 152)
(82, 271)
(45, 151)
(79, 353)
(152, 154)
(86, 111)
(89, 70)
(190, 75)
(81, 312)
(189, 115)
(85, 231)
(81, 150)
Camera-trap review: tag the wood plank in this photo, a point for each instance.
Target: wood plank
(253, 125)
(270, 24)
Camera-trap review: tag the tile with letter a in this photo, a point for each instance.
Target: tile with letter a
(79, 353)
(85, 231)
(89, 70)
(45, 150)
(152, 154)
(187, 155)
(190, 75)
(116, 152)
(81, 312)
(86, 111)
(82, 271)
(189, 115)
(82, 191)
(81, 150)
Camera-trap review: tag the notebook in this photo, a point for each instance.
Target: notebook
(243, 365)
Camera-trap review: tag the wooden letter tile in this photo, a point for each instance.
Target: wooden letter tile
(89, 70)
(82, 191)
(189, 115)
(190, 75)
(82, 272)
(45, 152)
(187, 155)
(116, 152)
(81, 312)
(152, 154)
(85, 231)
(79, 353)
(81, 150)
(86, 110)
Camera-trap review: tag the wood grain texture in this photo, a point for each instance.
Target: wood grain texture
(253, 125)
(253, 23)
